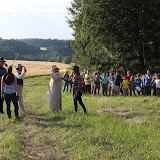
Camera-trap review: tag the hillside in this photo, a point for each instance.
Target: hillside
(30, 49)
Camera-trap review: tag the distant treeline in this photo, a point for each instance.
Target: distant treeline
(29, 49)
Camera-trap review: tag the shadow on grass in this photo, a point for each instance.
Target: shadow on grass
(54, 122)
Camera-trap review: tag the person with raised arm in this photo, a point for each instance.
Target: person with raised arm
(54, 90)
(19, 76)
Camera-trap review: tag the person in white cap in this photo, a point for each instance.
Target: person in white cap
(19, 76)
(54, 90)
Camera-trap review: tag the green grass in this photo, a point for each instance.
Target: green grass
(124, 128)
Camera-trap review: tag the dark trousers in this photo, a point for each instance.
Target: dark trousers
(79, 99)
(132, 90)
(154, 91)
(147, 90)
(11, 98)
(1, 101)
(83, 90)
(104, 88)
(88, 89)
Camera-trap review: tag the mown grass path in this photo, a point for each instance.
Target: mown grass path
(115, 128)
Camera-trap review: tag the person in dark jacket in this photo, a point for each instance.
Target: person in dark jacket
(77, 89)
(2, 72)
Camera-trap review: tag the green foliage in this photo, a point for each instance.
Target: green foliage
(29, 49)
(112, 34)
(68, 60)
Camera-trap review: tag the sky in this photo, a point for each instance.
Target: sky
(34, 19)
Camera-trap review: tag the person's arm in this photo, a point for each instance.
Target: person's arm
(15, 84)
(2, 88)
(55, 76)
(20, 76)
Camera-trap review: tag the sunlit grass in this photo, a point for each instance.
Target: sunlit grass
(124, 128)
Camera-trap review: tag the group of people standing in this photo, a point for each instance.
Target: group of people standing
(11, 88)
(115, 84)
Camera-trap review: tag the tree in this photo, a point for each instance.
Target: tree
(116, 33)
(68, 60)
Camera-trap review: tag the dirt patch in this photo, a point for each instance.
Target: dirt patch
(137, 120)
(144, 100)
(33, 84)
(115, 112)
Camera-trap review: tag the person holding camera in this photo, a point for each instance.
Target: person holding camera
(19, 76)
(54, 90)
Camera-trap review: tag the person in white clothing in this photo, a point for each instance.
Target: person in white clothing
(54, 90)
(157, 81)
(19, 76)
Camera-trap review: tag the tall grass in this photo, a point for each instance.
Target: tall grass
(124, 128)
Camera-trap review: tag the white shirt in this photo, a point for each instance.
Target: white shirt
(157, 83)
(19, 75)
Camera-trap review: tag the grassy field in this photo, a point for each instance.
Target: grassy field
(36, 68)
(123, 128)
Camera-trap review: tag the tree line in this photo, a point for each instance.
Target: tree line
(116, 34)
(29, 49)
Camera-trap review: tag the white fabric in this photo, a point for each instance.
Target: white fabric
(19, 75)
(54, 92)
(20, 102)
(157, 83)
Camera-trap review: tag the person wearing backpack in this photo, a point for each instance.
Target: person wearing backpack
(19, 76)
(9, 92)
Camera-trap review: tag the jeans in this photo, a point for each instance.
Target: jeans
(66, 84)
(154, 91)
(11, 98)
(79, 99)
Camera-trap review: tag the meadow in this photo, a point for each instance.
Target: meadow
(37, 68)
(123, 128)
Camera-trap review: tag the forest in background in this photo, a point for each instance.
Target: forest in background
(30, 49)
(112, 35)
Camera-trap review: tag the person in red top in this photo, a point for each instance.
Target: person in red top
(129, 75)
(71, 80)
(83, 85)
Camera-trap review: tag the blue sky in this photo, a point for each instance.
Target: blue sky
(34, 19)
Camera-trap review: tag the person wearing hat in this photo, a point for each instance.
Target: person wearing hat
(54, 91)
(77, 89)
(19, 76)
(2, 72)
(9, 88)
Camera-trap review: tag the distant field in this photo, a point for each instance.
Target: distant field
(35, 68)
(43, 48)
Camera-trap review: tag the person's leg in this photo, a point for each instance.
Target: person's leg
(75, 102)
(70, 87)
(67, 84)
(8, 105)
(15, 103)
(98, 88)
(1, 101)
(89, 89)
(149, 90)
(103, 89)
(134, 92)
(130, 92)
(20, 102)
(81, 103)
(64, 86)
